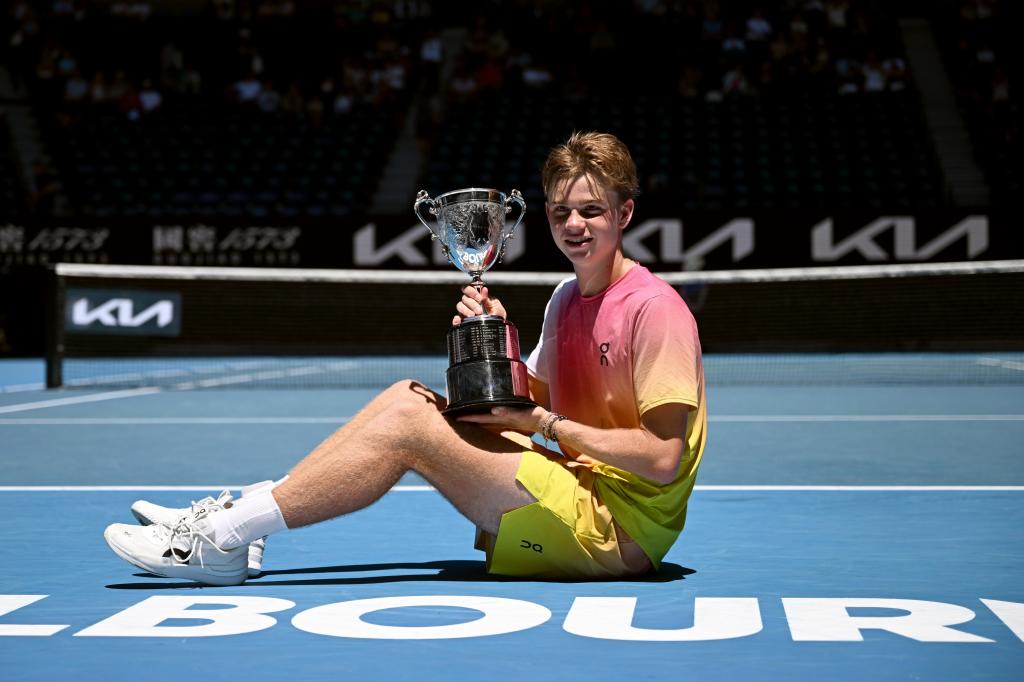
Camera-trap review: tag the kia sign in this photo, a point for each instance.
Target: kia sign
(121, 311)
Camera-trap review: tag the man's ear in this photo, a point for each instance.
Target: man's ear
(626, 213)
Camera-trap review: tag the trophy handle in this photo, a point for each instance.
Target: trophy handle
(516, 198)
(423, 199)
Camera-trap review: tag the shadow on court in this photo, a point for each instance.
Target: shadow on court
(459, 570)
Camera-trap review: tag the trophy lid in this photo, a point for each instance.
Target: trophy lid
(486, 194)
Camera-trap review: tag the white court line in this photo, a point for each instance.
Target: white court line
(861, 488)
(753, 418)
(91, 398)
(1004, 364)
(726, 418)
(427, 488)
(157, 488)
(156, 421)
(21, 388)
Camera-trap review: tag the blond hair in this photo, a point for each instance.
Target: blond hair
(601, 157)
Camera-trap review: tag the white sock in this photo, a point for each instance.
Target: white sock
(255, 515)
(250, 489)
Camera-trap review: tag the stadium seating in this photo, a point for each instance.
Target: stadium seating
(979, 41)
(203, 160)
(14, 196)
(812, 151)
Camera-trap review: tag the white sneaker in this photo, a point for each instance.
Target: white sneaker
(256, 548)
(185, 550)
(148, 513)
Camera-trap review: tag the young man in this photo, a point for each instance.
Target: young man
(619, 382)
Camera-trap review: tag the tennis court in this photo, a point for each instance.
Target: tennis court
(848, 530)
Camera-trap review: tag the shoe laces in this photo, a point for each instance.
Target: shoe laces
(189, 539)
(199, 506)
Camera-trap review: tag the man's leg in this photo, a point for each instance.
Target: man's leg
(402, 430)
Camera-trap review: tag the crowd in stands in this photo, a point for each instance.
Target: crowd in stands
(693, 48)
(271, 56)
(317, 61)
(980, 37)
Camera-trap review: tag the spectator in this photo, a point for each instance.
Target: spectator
(150, 98)
(690, 81)
(99, 92)
(191, 81)
(895, 69)
(711, 26)
(759, 29)
(117, 88)
(66, 64)
(293, 102)
(849, 75)
(873, 73)
(247, 90)
(269, 99)
(45, 188)
(537, 76)
(463, 85)
(489, 75)
(354, 75)
(735, 82)
(344, 102)
(733, 44)
(431, 57)
(315, 112)
(129, 104)
(76, 89)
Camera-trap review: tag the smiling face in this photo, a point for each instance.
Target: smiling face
(586, 223)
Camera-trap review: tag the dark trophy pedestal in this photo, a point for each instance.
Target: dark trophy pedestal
(484, 367)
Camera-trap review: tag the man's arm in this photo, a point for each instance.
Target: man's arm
(653, 451)
(539, 392)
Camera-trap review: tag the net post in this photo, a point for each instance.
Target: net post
(55, 301)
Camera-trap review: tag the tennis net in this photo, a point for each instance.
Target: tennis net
(186, 328)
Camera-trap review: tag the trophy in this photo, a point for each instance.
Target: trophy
(484, 367)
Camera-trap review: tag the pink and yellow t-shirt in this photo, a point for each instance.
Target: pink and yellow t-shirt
(609, 358)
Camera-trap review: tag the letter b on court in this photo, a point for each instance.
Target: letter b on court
(237, 616)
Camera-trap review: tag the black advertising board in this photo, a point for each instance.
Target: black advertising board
(713, 240)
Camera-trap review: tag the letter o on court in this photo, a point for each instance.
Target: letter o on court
(344, 619)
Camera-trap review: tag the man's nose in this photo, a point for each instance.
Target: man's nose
(575, 219)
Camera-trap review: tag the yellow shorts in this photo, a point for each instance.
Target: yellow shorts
(567, 534)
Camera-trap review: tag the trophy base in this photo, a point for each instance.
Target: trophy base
(479, 385)
(467, 407)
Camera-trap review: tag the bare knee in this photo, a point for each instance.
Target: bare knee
(411, 413)
(413, 394)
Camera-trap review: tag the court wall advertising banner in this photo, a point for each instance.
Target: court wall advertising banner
(661, 240)
(711, 240)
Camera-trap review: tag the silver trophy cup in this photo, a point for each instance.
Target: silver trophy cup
(484, 364)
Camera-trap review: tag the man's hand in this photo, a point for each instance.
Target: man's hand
(477, 303)
(515, 418)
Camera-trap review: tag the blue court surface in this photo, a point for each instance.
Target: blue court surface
(838, 532)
